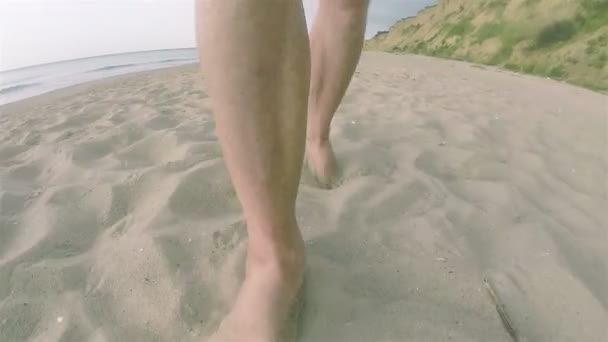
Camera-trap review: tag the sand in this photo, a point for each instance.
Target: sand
(471, 206)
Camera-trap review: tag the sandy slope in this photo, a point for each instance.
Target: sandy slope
(463, 190)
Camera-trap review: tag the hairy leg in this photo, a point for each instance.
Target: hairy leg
(256, 61)
(336, 41)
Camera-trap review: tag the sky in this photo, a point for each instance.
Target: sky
(42, 31)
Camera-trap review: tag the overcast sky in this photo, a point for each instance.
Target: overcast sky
(42, 31)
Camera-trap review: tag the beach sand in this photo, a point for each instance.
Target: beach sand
(471, 206)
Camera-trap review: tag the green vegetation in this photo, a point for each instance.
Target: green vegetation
(489, 30)
(571, 45)
(508, 34)
(502, 55)
(599, 62)
(497, 4)
(528, 68)
(444, 50)
(411, 29)
(557, 71)
(513, 67)
(595, 45)
(592, 15)
(459, 28)
(529, 3)
(556, 32)
(420, 47)
(572, 60)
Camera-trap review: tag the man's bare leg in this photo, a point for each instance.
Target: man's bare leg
(336, 41)
(256, 60)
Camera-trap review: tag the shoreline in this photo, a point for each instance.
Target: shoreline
(27, 82)
(62, 93)
(93, 57)
(74, 89)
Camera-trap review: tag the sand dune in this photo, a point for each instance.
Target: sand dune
(471, 206)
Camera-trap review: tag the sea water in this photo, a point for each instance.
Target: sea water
(26, 82)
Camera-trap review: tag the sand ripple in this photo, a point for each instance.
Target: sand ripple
(470, 207)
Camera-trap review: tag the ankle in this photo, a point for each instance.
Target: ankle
(286, 267)
(284, 253)
(318, 141)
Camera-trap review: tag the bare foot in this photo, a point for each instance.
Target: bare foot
(264, 303)
(321, 161)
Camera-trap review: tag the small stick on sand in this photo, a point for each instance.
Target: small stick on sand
(502, 312)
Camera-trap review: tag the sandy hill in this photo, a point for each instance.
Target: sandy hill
(561, 39)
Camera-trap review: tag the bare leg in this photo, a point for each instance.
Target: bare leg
(256, 60)
(336, 42)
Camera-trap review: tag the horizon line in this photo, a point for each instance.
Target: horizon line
(96, 56)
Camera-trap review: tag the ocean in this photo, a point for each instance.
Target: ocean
(26, 82)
